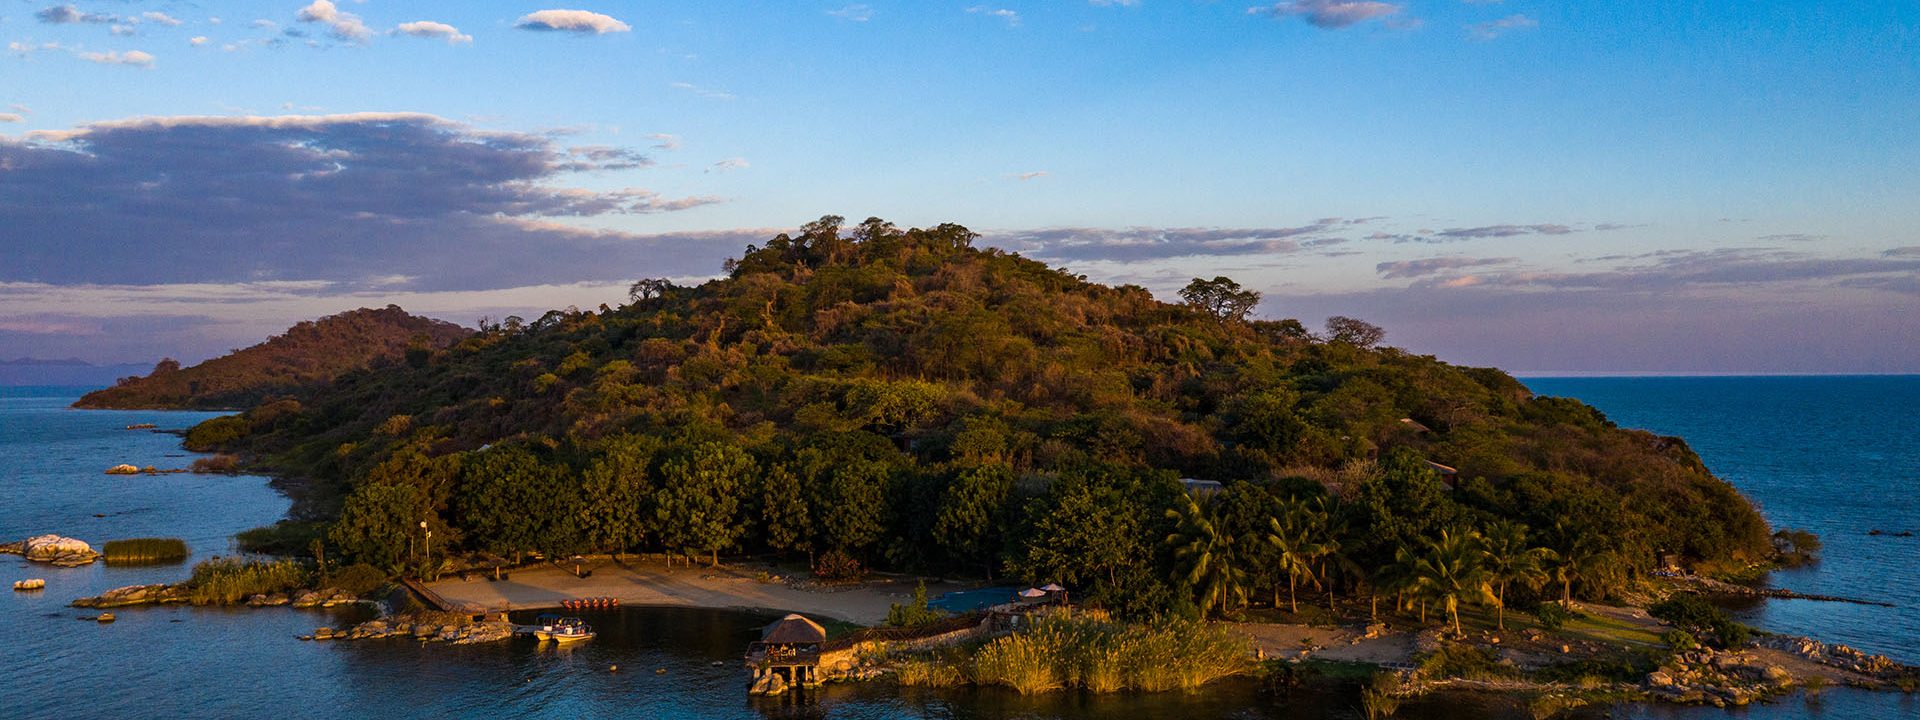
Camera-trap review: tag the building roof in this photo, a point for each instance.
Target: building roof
(1442, 469)
(793, 630)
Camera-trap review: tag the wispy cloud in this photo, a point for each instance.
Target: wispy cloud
(1031, 175)
(853, 13)
(431, 29)
(68, 15)
(1493, 29)
(729, 164)
(1330, 14)
(1145, 244)
(1424, 267)
(665, 141)
(574, 21)
(1012, 17)
(12, 117)
(708, 93)
(160, 18)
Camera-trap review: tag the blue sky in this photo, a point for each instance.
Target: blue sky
(1593, 186)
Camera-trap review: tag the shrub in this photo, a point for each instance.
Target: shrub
(224, 581)
(1679, 640)
(212, 434)
(145, 550)
(836, 565)
(222, 464)
(358, 578)
(916, 613)
(1551, 616)
(1464, 661)
(1381, 697)
(286, 538)
(1695, 615)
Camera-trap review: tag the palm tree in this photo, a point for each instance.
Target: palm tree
(1292, 533)
(1580, 557)
(1453, 569)
(1208, 554)
(1511, 560)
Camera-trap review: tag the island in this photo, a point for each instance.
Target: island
(849, 404)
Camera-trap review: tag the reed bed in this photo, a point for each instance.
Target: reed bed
(145, 551)
(928, 672)
(1099, 655)
(225, 581)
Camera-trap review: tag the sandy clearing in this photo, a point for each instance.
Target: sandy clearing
(652, 583)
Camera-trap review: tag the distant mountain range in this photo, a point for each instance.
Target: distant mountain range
(66, 371)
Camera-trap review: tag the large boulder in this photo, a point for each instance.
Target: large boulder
(62, 551)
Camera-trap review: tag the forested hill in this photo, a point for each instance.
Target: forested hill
(903, 399)
(308, 354)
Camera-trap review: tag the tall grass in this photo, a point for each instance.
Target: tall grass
(145, 550)
(225, 581)
(928, 672)
(1098, 655)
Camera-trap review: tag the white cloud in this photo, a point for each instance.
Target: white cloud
(1111, 3)
(135, 58)
(197, 40)
(1031, 175)
(12, 117)
(1012, 18)
(855, 13)
(733, 163)
(345, 26)
(664, 141)
(159, 18)
(573, 21)
(431, 29)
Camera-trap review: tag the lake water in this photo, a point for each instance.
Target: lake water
(204, 662)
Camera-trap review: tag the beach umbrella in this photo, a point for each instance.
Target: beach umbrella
(1031, 593)
(1052, 588)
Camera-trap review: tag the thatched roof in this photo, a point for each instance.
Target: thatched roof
(793, 630)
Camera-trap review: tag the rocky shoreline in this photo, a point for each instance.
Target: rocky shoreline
(180, 593)
(433, 627)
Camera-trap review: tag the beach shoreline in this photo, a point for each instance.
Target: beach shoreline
(637, 582)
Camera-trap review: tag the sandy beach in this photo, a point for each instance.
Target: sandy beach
(643, 583)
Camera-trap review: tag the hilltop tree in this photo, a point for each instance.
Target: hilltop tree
(649, 288)
(1220, 297)
(1353, 331)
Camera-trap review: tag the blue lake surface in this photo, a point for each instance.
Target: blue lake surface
(1831, 455)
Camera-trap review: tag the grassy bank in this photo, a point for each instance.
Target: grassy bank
(225, 581)
(1092, 653)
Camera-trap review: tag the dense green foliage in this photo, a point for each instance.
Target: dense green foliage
(1702, 620)
(901, 399)
(308, 354)
(145, 550)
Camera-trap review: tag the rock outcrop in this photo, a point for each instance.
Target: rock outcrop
(29, 584)
(1721, 679)
(451, 633)
(324, 597)
(136, 595)
(57, 550)
(1839, 656)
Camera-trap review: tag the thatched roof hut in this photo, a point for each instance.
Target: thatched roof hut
(794, 629)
